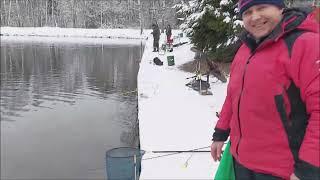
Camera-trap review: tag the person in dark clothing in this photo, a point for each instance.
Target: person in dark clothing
(168, 32)
(156, 37)
(272, 109)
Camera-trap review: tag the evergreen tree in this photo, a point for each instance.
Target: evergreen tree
(188, 13)
(213, 26)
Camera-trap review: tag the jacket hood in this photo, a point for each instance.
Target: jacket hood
(299, 18)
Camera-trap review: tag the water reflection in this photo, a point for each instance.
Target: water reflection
(62, 100)
(32, 74)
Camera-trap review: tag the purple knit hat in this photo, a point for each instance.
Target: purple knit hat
(246, 4)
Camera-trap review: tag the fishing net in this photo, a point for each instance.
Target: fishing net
(123, 163)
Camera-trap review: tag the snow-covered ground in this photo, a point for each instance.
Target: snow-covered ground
(73, 35)
(172, 117)
(73, 32)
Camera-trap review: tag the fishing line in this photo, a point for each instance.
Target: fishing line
(170, 154)
(187, 161)
(178, 152)
(175, 152)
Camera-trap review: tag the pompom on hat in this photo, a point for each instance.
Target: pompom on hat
(243, 5)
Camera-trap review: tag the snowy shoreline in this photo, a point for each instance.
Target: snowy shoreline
(74, 32)
(45, 35)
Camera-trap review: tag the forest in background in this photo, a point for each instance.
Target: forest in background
(87, 13)
(212, 25)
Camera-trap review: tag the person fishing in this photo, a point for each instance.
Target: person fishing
(156, 37)
(272, 109)
(168, 32)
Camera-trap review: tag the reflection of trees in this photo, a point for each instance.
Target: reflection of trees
(13, 91)
(114, 68)
(32, 74)
(129, 119)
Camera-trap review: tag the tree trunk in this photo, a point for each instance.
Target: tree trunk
(9, 13)
(38, 16)
(52, 16)
(18, 14)
(32, 17)
(27, 18)
(163, 15)
(3, 17)
(74, 13)
(101, 15)
(140, 16)
(85, 17)
(46, 12)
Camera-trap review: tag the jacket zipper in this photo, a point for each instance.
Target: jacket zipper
(243, 77)
(244, 74)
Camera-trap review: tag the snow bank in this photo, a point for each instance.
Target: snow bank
(73, 32)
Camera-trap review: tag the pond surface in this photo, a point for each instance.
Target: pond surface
(63, 105)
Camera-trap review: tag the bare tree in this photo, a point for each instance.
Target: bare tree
(86, 13)
(101, 14)
(3, 13)
(74, 13)
(9, 15)
(18, 14)
(140, 16)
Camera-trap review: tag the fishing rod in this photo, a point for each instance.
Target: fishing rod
(174, 153)
(179, 151)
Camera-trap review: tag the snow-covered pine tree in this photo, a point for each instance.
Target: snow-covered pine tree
(213, 26)
(188, 12)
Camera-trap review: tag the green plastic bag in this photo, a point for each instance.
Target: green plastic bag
(225, 170)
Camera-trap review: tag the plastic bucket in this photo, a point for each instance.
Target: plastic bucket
(170, 60)
(123, 163)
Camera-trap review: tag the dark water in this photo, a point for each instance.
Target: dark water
(63, 106)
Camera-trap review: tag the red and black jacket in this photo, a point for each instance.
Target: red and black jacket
(272, 108)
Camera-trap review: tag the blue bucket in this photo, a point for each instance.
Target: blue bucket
(123, 163)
